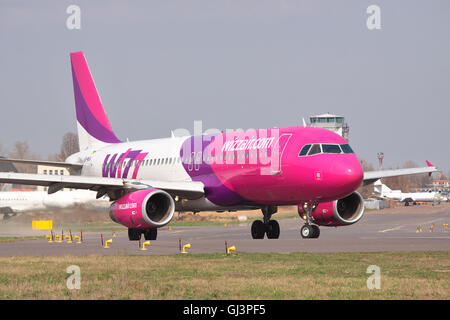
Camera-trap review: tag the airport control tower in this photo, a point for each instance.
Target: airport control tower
(331, 122)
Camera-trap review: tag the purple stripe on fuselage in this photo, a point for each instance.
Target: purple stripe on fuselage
(215, 191)
(87, 119)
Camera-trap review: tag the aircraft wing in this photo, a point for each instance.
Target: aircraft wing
(372, 176)
(43, 162)
(186, 189)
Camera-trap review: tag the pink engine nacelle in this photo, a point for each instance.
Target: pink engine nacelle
(143, 209)
(342, 212)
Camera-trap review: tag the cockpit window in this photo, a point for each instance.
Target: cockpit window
(346, 148)
(331, 148)
(315, 149)
(304, 150)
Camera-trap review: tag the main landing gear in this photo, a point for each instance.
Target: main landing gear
(309, 230)
(269, 227)
(135, 234)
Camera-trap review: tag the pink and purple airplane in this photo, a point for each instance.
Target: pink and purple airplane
(311, 168)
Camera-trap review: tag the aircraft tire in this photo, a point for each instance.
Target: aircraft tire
(273, 230)
(316, 231)
(134, 234)
(307, 231)
(150, 234)
(258, 229)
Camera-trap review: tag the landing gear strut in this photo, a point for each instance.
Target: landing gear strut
(135, 234)
(269, 227)
(309, 230)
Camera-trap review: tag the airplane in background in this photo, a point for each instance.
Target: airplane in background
(13, 203)
(384, 192)
(262, 169)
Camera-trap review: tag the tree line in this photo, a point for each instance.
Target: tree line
(21, 150)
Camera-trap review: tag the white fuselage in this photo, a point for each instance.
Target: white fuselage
(414, 196)
(158, 159)
(23, 201)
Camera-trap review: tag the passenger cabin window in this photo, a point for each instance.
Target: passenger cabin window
(346, 148)
(315, 149)
(331, 148)
(304, 150)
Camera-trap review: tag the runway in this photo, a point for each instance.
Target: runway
(376, 232)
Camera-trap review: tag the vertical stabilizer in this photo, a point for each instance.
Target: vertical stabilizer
(380, 189)
(93, 125)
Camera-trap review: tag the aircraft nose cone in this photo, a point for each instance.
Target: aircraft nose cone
(348, 174)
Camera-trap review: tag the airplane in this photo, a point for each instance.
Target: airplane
(261, 169)
(13, 203)
(384, 192)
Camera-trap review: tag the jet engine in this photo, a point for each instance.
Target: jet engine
(143, 209)
(342, 212)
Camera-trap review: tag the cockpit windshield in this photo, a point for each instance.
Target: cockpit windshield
(331, 148)
(311, 149)
(304, 150)
(346, 148)
(315, 149)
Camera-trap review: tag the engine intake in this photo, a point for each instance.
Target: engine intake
(149, 208)
(342, 212)
(350, 209)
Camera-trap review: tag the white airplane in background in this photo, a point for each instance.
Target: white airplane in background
(383, 191)
(16, 202)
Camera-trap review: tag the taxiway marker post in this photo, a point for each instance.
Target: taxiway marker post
(146, 243)
(107, 242)
(186, 246)
(232, 248)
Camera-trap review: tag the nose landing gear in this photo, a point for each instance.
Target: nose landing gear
(269, 227)
(309, 230)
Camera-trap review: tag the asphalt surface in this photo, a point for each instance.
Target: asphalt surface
(376, 232)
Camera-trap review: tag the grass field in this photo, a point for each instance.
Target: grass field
(13, 239)
(414, 275)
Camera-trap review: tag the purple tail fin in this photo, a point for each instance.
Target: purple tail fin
(93, 124)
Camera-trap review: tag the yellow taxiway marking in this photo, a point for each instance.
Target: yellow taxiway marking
(392, 229)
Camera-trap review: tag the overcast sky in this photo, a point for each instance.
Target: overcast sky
(161, 65)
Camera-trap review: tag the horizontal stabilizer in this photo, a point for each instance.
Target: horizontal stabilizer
(45, 163)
